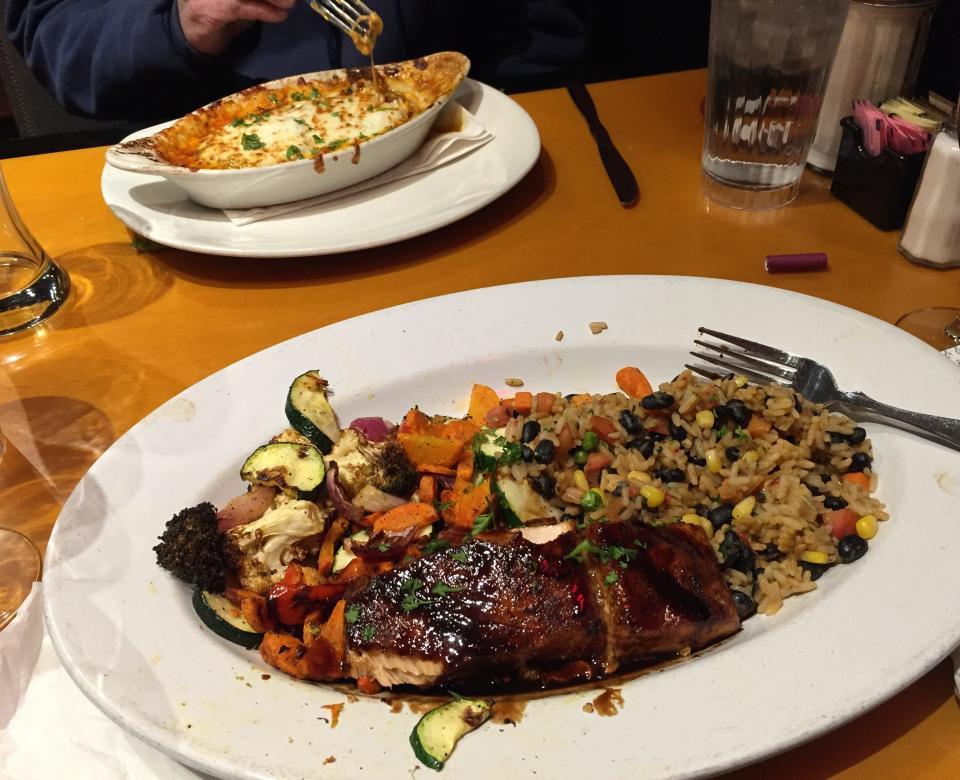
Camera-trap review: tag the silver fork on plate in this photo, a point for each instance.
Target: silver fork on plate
(347, 15)
(813, 380)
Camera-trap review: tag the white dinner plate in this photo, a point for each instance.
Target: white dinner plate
(157, 209)
(127, 634)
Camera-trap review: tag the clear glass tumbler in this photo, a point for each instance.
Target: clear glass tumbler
(32, 286)
(768, 65)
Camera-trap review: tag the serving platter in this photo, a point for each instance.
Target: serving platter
(127, 635)
(159, 210)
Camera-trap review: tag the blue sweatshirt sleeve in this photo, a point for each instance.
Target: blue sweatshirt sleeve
(118, 59)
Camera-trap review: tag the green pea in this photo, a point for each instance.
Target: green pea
(591, 500)
(590, 441)
(580, 456)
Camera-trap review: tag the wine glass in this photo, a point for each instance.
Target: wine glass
(19, 566)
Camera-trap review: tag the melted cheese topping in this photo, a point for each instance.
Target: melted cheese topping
(301, 129)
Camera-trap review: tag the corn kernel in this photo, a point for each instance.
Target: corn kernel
(692, 519)
(750, 456)
(652, 495)
(744, 508)
(714, 461)
(706, 419)
(867, 527)
(580, 480)
(638, 476)
(814, 556)
(740, 380)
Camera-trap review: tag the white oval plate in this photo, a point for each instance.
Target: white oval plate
(158, 210)
(126, 632)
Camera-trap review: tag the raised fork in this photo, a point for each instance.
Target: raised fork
(763, 364)
(343, 14)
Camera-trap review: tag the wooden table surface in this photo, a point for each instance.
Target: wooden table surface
(141, 327)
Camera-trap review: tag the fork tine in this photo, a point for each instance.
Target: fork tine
(325, 11)
(749, 373)
(703, 371)
(770, 353)
(363, 7)
(761, 365)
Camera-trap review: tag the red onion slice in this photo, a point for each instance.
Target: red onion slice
(372, 499)
(338, 498)
(374, 428)
(246, 508)
(385, 545)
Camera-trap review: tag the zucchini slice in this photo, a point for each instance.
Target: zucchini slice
(224, 619)
(310, 413)
(488, 447)
(520, 503)
(297, 469)
(438, 732)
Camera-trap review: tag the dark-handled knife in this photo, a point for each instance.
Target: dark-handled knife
(622, 178)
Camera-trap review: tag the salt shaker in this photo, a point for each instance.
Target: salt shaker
(931, 235)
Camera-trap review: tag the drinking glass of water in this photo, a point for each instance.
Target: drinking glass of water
(768, 66)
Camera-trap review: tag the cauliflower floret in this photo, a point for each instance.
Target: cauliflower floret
(260, 551)
(382, 464)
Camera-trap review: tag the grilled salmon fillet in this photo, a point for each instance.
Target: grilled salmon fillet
(499, 609)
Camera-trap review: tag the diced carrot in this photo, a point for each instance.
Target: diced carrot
(312, 624)
(290, 655)
(254, 611)
(353, 570)
(427, 489)
(857, 478)
(482, 400)
(368, 685)
(545, 402)
(523, 403)
(497, 417)
(633, 382)
(602, 427)
(459, 430)
(423, 448)
(465, 468)
(565, 444)
(433, 468)
(581, 399)
(597, 461)
(414, 421)
(447, 498)
(758, 426)
(473, 501)
(236, 595)
(406, 516)
(842, 522)
(328, 549)
(335, 630)
(506, 403)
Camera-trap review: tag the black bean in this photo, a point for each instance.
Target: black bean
(796, 404)
(833, 502)
(859, 462)
(699, 509)
(569, 396)
(657, 400)
(721, 412)
(530, 431)
(739, 412)
(526, 453)
(696, 460)
(858, 435)
(736, 555)
(656, 435)
(789, 438)
(545, 485)
(852, 548)
(771, 553)
(732, 453)
(817, 570)
(678, 432)
(670, 475)
(545, 452)
(761, 497)
(644, 446)
(630, 422)
(720, 515)
(814, 490)
(745, 605)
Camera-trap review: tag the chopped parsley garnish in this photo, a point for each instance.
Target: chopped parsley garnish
(317, 139)
(459, 555)
(297, 96)
(352, 615)
(482, 523)
(613, 553)
(294, 152)
(337, 144)
(315, 152)
(741, 434)
(410, 600)
(335, 114)
(238, 122)
(611, 578)
(442, 589)
(434, 545)
(512, 452)
(383, 547)
(299, 121)
(368, 633)
(442, 506)
(721, 432)
(314, 93)
(252, 141)
(582, 549)
(273, 99)
(363, 137)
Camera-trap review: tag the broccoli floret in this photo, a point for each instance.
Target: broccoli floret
(394, 472)
(191, 548)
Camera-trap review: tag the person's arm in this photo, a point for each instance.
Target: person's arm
(133, 59)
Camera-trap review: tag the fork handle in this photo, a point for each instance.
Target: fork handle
(944, 430)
